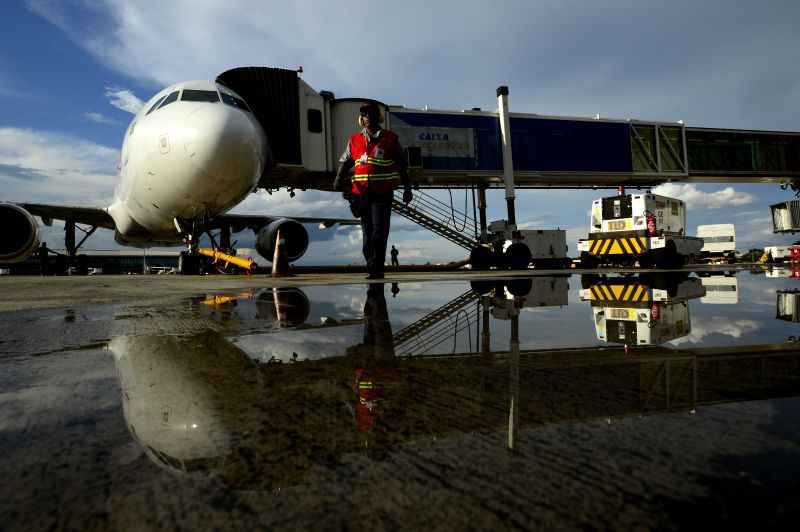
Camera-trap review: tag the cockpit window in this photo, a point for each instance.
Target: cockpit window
(169, 99)
(234, 101)
(155, 105)
(190, 95)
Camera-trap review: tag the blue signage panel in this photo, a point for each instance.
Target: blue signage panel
(467, 142)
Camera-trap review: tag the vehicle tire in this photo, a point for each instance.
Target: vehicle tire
(669, 258)
(481, 258)
(519, 287)
(647, 260)
(517, 256)
(589, 261)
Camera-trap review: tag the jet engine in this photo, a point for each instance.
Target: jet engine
(19, 233)
(293, 233)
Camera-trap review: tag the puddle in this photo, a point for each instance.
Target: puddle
(641, 392)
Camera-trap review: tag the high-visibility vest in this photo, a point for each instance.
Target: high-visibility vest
(376, 167)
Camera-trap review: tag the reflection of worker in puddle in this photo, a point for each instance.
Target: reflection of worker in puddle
(374, 363)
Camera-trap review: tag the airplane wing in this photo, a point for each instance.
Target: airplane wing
(93, 216)
(238, 222)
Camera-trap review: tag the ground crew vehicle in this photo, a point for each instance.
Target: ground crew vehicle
(642, 310)
(638, 228)
(719, 243)
(774, 254)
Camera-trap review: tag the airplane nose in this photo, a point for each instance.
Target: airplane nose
(224, 143)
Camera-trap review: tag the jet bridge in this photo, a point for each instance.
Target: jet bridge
(307, 131)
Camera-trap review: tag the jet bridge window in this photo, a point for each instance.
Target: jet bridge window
(169, 99)
(234, 101)
(314, 118)
(190, 95)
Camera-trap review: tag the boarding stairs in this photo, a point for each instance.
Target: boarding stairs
(439, 217)
(439, 325)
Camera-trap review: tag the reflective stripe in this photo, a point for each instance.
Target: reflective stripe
(375, 177)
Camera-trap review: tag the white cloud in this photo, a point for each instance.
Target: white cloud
(99, 118)
(695, 198)
(557, 57)
(46, 166)
(124, 99)
(717, 325)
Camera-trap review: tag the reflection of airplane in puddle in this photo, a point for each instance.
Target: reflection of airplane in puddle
(200, 405)
(647, 309)
(279, 307)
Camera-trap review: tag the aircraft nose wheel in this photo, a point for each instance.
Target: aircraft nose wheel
(189, 263)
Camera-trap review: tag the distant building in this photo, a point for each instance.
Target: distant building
(101, 261)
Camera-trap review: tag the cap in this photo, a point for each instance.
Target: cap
(369, 109)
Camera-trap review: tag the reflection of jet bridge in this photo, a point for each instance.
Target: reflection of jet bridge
(444, 323)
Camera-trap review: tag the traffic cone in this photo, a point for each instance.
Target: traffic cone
(280, 266)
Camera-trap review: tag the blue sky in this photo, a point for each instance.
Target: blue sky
(70, 69)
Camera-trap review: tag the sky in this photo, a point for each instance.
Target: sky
(72, 72)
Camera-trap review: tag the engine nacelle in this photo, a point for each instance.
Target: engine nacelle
(19, 233)
(293, 233)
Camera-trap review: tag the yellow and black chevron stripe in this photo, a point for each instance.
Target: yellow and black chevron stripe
(631, 293)
(631, 245)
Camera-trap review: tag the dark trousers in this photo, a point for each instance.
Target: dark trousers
(375, 218)
(395, 262)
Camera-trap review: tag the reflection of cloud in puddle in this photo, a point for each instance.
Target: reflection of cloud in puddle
(702, 328)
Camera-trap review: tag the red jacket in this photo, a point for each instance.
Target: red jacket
(377, 163)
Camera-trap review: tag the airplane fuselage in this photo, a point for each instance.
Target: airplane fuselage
(193, 151)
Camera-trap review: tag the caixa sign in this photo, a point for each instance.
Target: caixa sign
(426, 136)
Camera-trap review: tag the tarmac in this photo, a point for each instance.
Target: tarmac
(31, 292)
(140, 403)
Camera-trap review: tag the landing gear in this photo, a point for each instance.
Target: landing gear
(189, 263)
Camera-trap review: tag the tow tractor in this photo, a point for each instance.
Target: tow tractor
(647, 229)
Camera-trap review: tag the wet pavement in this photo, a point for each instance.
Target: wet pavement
(658, 400)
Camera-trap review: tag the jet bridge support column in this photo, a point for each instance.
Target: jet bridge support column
(508, 162)
(482, 211)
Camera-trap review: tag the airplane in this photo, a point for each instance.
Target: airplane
(193, 152)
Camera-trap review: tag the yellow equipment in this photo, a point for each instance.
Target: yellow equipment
(246, 264)
(764, 258)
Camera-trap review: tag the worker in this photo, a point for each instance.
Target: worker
(395, 253)
(43, 258)
(378, 166)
